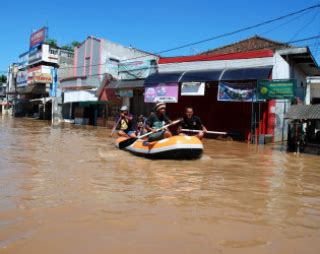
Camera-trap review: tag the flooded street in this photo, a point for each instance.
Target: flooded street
(69, 190)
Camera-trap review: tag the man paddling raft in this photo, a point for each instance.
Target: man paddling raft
(192, 122)
(157, 121)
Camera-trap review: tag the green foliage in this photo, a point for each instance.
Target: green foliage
(52, 43)
(3, 79)
(75, 44)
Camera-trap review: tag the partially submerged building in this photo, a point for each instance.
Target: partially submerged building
(222, 85)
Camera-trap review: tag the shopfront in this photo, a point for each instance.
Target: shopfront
(224, 99)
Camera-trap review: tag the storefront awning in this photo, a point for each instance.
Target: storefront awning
(246, 74)
(42, 100)
(165, 77)
(300, 112)
(211, 75)
(80, 96)
(119, 84)
(201, 76)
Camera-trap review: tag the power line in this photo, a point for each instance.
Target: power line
(208, 57)
(211, 38)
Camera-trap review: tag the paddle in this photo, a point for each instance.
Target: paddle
(129, 141)
(115, 126)
(211, 132)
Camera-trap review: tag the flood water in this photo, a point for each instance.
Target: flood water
(69, 190)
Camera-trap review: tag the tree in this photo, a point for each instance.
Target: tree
(75, 44)
(3, 79)
(67, 47)
(52, 43)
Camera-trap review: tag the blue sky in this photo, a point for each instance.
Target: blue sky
(153, 26)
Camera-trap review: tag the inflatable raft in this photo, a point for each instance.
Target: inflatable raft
(176, 147)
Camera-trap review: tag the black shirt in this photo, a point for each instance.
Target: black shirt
(194, 123)
(156, 122)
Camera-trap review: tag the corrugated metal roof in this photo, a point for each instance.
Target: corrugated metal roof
(300, 112)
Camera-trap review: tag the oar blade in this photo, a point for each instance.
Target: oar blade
(123, 144)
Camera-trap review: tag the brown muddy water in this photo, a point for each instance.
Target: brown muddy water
(69, 190)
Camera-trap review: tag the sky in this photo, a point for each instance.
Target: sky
(154, 26)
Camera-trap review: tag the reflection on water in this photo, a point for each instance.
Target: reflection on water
(69, 190)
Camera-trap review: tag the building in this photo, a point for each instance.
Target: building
(223, 86)
(105, 76)
(34, 78)
(313, 90)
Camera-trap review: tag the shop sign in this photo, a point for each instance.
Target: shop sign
(44, 78)
(126, 93)
(38, 37)
(236, 92)
(35, 55)
(193, 88)
(134, 70)
(161, 92)
(276, 89)
(22, 78)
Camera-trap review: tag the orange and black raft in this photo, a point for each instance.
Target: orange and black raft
(176, 147)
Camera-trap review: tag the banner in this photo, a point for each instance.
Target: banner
(236, 92)
(161, 92)
(22, 78)
(193, 88)
(276, 89)
(40, 74)
(38, 37)
(134, 70)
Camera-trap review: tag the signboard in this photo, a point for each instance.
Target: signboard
(134, 70)
(23, 60)
(38, 37)
(161, 92)
(44, 78)
(40, 74)
(193, 88)
(22, 78)
(276, 89)
(54, 85)
(126, 93)
(35, 55)
(236, 92)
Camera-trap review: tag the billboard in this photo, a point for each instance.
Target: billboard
(134, 70)
(193, 88)
(38, 37)
(161, 92)
(236, 92)
(40, 74)
(22, 78)
(277, 89)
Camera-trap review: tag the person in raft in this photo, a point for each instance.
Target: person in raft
(192, 122)
(124, 124)
(140, 127)
(156, 121)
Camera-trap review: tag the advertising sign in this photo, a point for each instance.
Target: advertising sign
(126, 93)
(38, 37)
(276, 89)
(236, 92)
(161, 92)
(22, 78)
(134, 70)
(40, 74)
(193, 89)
